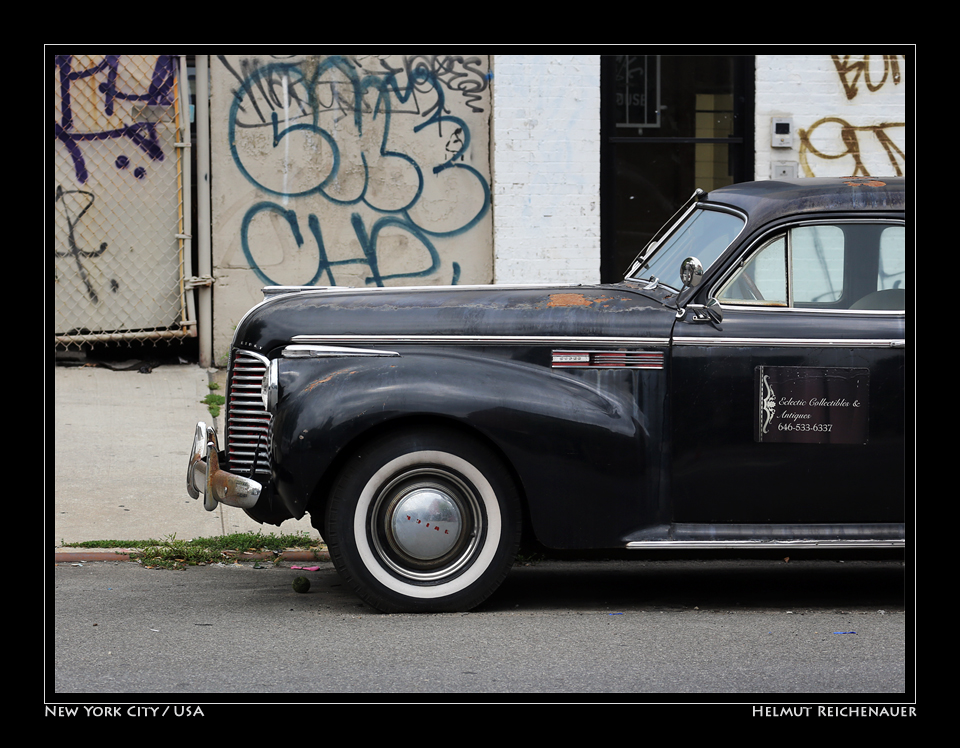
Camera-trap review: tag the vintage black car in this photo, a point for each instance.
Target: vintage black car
(742, 388)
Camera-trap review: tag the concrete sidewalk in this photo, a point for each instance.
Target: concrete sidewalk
(121, 441)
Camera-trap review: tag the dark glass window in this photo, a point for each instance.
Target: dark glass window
(671, 124)
(825, 266)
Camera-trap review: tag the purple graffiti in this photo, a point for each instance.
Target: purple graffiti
(142, 134)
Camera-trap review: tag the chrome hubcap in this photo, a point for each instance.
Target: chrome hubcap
(425, 524)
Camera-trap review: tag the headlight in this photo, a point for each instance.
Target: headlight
(269, 386)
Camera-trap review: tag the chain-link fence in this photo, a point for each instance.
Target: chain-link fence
(121, 199)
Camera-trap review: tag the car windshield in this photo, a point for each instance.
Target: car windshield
(702, 232)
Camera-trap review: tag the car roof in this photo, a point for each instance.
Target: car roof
(771, 199)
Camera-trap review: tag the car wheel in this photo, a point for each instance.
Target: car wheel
(423, 522)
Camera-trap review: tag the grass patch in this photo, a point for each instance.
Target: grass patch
(107, 543)
(171, 553)
(214, 401)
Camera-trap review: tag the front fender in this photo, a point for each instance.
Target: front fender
(567, 436)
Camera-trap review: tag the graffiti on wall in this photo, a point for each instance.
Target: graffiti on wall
(852, 70)
(836, 139)
(109, 121)
(116, 203)
(360, 165)
(74, 204)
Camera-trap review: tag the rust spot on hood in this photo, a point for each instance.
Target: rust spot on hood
(571, 299)
(317, 382)
(865, 182)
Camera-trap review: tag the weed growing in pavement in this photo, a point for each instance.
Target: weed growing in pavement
(213, 401)
(171, 553)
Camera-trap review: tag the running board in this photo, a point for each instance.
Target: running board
(706, 545)
(689, 536)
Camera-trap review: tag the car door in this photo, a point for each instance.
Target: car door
(790, 410)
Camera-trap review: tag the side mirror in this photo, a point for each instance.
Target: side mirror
(691, 273)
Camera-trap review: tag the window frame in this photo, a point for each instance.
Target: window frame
(784, 230)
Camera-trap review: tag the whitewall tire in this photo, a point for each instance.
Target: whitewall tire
(423, 522)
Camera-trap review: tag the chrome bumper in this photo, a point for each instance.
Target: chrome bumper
(218, 486)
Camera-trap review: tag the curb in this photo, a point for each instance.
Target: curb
(68, 557)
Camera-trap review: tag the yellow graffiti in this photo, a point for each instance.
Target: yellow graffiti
(850, 72)
(849, 140)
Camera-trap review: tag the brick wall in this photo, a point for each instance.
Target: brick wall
(546, 168)
(847, 112)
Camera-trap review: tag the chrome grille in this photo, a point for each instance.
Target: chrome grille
(248, 424)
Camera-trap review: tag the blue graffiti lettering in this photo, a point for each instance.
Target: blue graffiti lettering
(343, 117)
(324, 272)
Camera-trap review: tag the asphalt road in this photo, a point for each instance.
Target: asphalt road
(630, 630)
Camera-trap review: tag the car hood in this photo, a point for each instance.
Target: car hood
(614, 311)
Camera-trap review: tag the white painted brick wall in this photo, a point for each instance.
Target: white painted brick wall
(810, 90)
(546, 168)
(546, 147)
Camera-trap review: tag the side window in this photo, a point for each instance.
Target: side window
(763, 278)
(817, 264)
(892, 273)
(830, 266)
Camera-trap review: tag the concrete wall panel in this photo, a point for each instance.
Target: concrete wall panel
(357, 171)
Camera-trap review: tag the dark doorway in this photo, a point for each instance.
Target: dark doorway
(671, 123)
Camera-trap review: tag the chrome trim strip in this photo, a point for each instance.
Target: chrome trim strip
(794, 342)
(485, 340)
(761, 307)
(305, 341)
(607, 359)
(330, 351)
(674, 545)
(271, 291)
